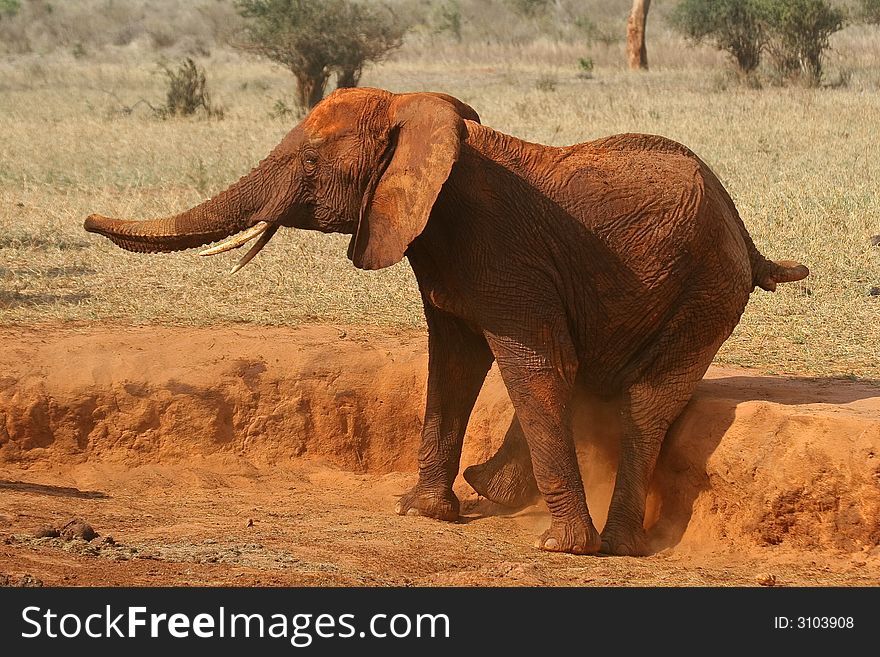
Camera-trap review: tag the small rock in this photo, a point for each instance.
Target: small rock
(250, 522)
(109, 540)
(874, 291)
(875, 240)
(29, 581)
(76, 528)
(47, 532)
(767, 579)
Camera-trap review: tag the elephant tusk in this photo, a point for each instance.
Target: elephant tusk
(255, 249)
(239, 240)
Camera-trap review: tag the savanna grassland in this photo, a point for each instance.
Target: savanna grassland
(802, 164)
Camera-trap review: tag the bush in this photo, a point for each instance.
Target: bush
(447, 18)
(9, 8)
(799, 32)
(365, 35)
(45, 26)
(794, 32)
(529, 8)
(187, 92)
(314, 38)
(735, 26)
(869, 11)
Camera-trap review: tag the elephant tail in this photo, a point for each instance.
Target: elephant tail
(766, 274)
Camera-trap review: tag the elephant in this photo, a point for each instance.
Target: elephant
(617, 266)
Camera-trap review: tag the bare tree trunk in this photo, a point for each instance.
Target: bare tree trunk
(348, 76)
(310, 86)
(635, 35)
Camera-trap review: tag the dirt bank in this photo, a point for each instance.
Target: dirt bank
(172, 439)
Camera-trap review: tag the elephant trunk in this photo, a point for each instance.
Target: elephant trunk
(229, 212)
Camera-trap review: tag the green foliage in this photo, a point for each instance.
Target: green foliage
(735, 26)
(281, 110)
(586, 66)
(869, 11)
(187, 92)
(314, 38)
(594, 34)
(447, 18)
(799, 32)
(794, 32)
(529, 8)
(9, 8)
(546, 82)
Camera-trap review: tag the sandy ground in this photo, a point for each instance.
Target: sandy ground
(254, 456)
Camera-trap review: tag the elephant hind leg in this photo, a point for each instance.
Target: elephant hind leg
(507, 477)
(650, 407)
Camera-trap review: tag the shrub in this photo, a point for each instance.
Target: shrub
(314, 38)
(799, 32)
(546, 82)
(365, 35)
(447, 18)
(794, 32)
(9, 8)
(735, 26)
(11, 39)
(869, 11)
(586, 66)
(529, 8)
(187, 92)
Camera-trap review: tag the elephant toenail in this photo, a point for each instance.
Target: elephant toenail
(413, 512)
(398, 508)
(551, 544)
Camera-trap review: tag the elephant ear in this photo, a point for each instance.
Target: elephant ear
(424, 142)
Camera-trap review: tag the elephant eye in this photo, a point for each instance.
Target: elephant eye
(310, 159)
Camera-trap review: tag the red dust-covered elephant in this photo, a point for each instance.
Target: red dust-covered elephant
(618, 265)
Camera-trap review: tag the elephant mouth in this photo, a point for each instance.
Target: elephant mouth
(262, 230)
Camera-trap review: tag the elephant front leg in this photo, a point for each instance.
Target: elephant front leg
(458, 361)
(539, 377)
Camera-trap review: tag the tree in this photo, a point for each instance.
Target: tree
(314, 38)
(735, 26)
(799, 31)
(637, 54)
(794, 32)
(367, 35)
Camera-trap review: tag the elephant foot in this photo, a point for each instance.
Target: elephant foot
(579, 537)
(438, 504)
(621, 542)
(504, 480)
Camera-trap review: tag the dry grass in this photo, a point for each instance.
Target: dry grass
(801, 164)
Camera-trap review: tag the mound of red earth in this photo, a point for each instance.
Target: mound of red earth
(753, 461)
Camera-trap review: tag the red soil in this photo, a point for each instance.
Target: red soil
(274, 456)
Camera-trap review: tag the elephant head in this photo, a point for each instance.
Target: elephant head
(364, 162)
